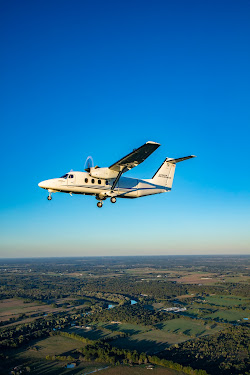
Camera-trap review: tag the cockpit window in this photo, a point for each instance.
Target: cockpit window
(65, 175)
(71, 176)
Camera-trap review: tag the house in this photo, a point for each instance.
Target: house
(176, 309)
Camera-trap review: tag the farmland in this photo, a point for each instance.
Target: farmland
(62, 310)
(227, 301)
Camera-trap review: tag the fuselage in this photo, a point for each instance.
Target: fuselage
(83, 183)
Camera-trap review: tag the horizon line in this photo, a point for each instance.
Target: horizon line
(126, 256)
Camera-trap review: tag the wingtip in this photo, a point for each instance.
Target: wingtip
(153, 143)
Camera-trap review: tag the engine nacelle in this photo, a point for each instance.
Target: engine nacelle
(105, 173)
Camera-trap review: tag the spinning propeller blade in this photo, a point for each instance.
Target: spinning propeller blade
(89, 163)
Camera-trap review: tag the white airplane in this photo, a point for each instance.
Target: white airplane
(108, 182)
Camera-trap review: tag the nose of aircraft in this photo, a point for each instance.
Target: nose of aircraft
(41, 184)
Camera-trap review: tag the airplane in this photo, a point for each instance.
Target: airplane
(108, 182)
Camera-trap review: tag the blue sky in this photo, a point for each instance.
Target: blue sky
(102, 77)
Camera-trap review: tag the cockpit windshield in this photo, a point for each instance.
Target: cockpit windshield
(65, 176)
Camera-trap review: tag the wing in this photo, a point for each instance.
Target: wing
(131, 160)
(135, 157)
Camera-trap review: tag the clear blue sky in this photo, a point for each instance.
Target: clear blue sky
(100, 78)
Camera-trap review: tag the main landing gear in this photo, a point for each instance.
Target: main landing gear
(112, 200)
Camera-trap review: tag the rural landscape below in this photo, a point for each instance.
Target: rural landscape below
(125, 315)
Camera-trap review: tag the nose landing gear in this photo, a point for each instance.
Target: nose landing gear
(49, 197)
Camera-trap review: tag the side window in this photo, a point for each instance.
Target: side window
(93, 181)
(71, 176)
(99, 182)
(107, 183)
(86, 180)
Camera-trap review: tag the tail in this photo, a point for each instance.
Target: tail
(165, 174)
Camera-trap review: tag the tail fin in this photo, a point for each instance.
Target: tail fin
(165, 174)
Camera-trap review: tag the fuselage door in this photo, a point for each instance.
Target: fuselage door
(71, 179)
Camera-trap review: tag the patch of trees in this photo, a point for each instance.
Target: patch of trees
(17, 336)
(103, 352)
(111, 297)
(135, 314)
(36, 287)
(131, 286)
(238, 289)
(225, 353)
(46, 288)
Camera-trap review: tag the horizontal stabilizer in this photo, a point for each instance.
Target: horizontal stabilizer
(174, 161)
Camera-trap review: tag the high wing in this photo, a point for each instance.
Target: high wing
(133, 159)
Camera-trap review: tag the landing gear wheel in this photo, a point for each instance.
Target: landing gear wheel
(49, 197)
(113, 200)
(99, 204)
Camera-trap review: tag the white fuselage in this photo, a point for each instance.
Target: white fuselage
(84, 183)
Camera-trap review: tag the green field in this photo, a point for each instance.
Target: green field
(229, 315)
(188, 327)
(176, 326)
(95, 333)
(227, 300)
(54, 345)
(151, 340)
(104, 330)
(130, 329)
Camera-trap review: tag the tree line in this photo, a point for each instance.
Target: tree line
(104, 352)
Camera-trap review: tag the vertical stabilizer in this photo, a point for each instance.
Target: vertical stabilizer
(165, 174)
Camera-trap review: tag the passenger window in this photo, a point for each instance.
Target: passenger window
(86, 180)
(93, 181)
(99, 182)
(107, 183)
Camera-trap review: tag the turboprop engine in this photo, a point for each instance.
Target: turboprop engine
(105, 173)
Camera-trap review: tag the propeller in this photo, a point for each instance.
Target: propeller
(89, 163)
